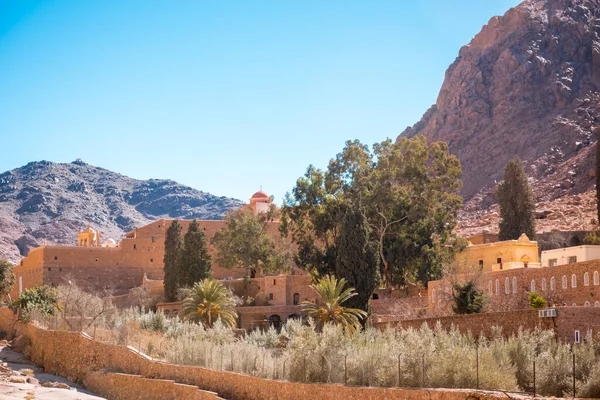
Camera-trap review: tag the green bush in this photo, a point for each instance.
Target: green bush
(536, 300)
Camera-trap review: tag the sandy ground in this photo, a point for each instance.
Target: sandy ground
(20, 379)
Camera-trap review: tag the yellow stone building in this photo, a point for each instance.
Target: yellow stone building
(498, 256)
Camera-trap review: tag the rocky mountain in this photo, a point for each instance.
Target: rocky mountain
(46, 201)
(527, 85)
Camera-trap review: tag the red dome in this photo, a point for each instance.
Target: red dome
(260, 195)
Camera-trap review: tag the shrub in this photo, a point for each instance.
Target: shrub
(536, 300)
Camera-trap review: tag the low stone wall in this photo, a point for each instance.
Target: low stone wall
(116, 386)
(79, 358)
(568, 320)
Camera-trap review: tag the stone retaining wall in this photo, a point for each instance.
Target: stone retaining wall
(79, 358)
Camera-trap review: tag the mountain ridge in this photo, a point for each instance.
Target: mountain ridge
(47, 201)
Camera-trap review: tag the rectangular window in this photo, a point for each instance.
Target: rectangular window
(55, 258)
(97, 259)
(577, 337)
(481, 264)
(153, 239)
(60, 268)
(135, 246)
(274, 282)
(553, 262)
(572, 259)
(49, 269)
(270, 296)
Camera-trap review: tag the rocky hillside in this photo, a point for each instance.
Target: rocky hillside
(50, 201)
(527, 85)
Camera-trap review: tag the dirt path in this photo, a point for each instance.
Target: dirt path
(20, 379)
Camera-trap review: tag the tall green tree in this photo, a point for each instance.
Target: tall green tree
(515, 198)
(7, 277)
(172, 260)
(245, 242)
(409, 191)
(468, 299)
(357, 260)
(196, 262)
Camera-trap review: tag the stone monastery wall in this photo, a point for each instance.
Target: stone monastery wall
(79, 358)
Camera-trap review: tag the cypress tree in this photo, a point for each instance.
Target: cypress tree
(516, 203)
(173, 246)
(357, 258)
(196, 262)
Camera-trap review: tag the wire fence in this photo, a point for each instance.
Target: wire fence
(562, 370)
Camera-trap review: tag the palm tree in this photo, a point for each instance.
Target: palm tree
(332, 294)
(207, 301)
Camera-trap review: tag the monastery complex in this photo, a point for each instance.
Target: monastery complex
(507, 270)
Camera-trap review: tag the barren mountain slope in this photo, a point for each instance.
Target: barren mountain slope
(51, 201)
(527, 85)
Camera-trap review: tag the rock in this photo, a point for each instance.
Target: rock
(542, 214)
(56, 385)
(526, 85)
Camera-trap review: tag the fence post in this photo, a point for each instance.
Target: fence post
(304, 368)
(477, 364)
(534, 379)
(423, 372)
(345, 369)
(232, 369)
(574, 372)
(399, 374)
(284, 361)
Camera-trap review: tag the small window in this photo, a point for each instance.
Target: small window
(532, 285)
(514, 284)
(152, 260)
(506, 286)
(49, 269)
(574, 305)
(577, 337)
(497, 287)
(297, 298)
(564, 282)
(97, 259)
(60, 268)
(270, 296)
(552, 283)
(553, 262)
(135, 246)
(596, 279)
(572, 260)
(274, 282)
(481, 264)
(586, 279)
(153, 239)
(543, 283)
(597, 304)
(586, 304)
(573, 281)
(55, 258)
(499, 261)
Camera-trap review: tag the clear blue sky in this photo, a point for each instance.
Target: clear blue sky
(224, 96)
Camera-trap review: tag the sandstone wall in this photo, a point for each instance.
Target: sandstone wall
(78, 358)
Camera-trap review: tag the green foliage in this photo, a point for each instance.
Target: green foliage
(246, 243)
(208, 301)
(409, 193)
(172, 260)
(7, 277)
(516, 203)
(536, 300)
(357, 260)
(196, 262)
(467, 298)
(43, 299)
(329, 309)
(592, 238)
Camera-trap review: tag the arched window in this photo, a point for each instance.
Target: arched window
(597, 304)
(497, 287)
(543, 283)
(596, 279)
(586, 279)
(552, 283)
(574, 305)
(297, 297)
(506, 286)
(586, 304)
(573, 281)
(564, 282)
(532, 285)
(490, 288)
(514, 284)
